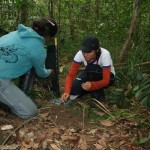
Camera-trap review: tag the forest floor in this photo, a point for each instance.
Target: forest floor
(77, 126)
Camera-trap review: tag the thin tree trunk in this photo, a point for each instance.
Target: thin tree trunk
(97, 10)
(1, 4)
(125, 49)
(24, 12)
(71, 21)
(51, 9)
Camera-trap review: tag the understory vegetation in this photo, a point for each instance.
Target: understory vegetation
(123, 28)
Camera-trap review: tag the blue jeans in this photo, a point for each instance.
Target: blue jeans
(19, 103)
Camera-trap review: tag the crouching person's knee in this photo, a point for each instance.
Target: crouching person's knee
(26, 112)
(32, 113)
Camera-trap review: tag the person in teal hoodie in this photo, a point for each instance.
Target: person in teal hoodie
(20, 51)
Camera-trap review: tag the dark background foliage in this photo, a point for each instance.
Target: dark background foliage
(107, 19)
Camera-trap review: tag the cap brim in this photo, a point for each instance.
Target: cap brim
(85, 49)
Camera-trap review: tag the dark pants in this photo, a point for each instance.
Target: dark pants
(25, 81)
(92, 73)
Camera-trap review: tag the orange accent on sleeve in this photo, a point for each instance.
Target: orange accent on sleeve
(70, 76)
(102, 83)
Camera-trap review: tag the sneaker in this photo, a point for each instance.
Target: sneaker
(68, 102)
(57, 101)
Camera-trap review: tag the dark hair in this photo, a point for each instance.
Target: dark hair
(45, 27)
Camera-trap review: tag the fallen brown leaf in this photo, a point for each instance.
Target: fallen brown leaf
(107, 123)
(102, 142)
(82, 142)
(98, 146)
(54, 147)
(68, 137)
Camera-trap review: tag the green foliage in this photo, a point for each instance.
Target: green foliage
(118, 97)
(124, 113)
(94, 118)
(133, 85)
(142, 140)
(142, 92)
(109, 20)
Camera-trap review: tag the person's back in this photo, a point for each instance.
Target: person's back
(20, 51)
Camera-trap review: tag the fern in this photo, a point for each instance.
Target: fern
(143, 92)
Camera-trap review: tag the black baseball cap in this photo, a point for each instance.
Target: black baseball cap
(90, 43)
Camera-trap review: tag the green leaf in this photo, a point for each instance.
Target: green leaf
(138, 94)
(145, 87)
(136, 88)
(143, 140)
(145, 82)
(142, 92)
(145, 101)
(139, 76)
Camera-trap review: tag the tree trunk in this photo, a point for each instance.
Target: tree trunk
(71, 21)
(24, 11)
(51, 9)
(125, 49)
(97, 10)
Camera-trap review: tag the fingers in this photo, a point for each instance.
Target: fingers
(52, 71)
(86, 86)
(64, 97)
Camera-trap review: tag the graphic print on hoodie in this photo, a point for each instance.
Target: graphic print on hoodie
(10, 53)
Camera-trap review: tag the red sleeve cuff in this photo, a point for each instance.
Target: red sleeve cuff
(102, 83)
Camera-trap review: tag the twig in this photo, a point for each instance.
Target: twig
(16, 130)
(83, 117)
(20, 126)
(101, 106)
(44, 108)
(83, 124)
(103, 109)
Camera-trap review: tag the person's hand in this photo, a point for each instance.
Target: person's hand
(46, 81)
(86, 86)
(52, 72)
(64, 97)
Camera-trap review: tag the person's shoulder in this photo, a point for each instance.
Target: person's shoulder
(79, 53)
(104, 51)
(79, 56)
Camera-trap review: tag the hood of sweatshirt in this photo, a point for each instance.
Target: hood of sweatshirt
(27, 32)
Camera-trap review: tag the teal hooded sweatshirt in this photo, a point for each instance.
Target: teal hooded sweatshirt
(20, 51)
